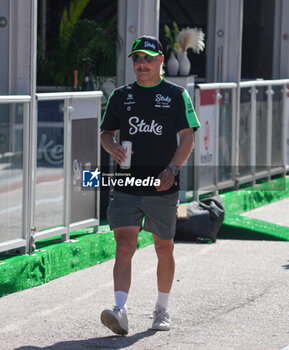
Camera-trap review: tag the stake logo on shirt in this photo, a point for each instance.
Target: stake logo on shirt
(163, 101)
(141, 126)
(161, 98)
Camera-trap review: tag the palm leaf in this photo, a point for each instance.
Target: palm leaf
(85, 46)
(70, 18)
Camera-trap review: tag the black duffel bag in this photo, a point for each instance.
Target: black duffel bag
(203, 220)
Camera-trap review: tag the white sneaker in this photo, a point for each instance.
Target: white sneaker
(115, 320)
(162, 320)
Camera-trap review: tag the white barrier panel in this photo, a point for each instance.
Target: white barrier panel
(84, 155)
(42, 195)
(208, 136)
(84, 109)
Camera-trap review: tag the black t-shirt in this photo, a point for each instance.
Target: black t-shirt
(149, 117)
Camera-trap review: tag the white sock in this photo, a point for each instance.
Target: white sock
(120, 299)
(163, 300)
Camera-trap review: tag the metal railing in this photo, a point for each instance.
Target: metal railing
(42, 153)
(263, 117)
(40, 166)
(241, 140)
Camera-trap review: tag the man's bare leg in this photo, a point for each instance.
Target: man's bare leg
(165, 277)
(126, 242)
(166, 263)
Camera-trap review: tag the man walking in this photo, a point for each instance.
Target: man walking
(149, 112)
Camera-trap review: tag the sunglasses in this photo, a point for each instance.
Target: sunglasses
(138, 58)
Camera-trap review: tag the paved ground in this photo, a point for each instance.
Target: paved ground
(275, 213)
(48, 200)
(229, 295)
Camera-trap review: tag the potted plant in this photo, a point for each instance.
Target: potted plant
(189, 38)
(83, 46)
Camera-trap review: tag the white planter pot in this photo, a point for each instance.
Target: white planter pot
(173, 65)
(185, 64)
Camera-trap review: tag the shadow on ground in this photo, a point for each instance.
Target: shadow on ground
(286, 267)
(104, 343)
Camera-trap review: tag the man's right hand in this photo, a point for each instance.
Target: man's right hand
(118, 153)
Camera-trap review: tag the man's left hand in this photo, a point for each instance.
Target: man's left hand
(167, 178)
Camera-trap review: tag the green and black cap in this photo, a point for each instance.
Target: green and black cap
(147, 44)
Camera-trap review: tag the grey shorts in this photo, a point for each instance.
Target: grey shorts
(159, 212)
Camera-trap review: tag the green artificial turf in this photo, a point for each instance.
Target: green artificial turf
(236, 226)
(53, 259)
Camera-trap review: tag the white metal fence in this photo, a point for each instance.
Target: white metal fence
(42, 154)
(244, 135)
(43, 150)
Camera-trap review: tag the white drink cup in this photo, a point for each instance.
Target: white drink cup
(127, 145)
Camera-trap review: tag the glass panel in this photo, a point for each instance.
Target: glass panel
(277, 126)
(225, 135)
(49, 190)
(261, 129)
(245, 135)
(258, 38)
(187, 174)
(186, 13)
(11, 171)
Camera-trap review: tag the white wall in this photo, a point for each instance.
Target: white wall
(4, 43)
(135, 18)
(18, 47)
